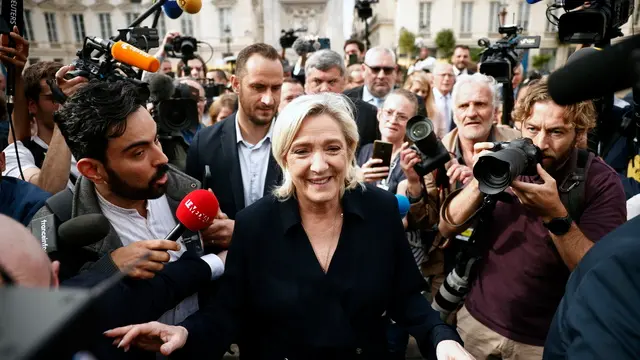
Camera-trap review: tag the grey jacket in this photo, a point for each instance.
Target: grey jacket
(85, 201)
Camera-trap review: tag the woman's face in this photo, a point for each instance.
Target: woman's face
(317, 160)
(224, 112)
(418, 89)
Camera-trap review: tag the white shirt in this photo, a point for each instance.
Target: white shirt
(424, 65)
(27, 160)
(458, 72)
(254, 163)
(131, 227)
(445, 107)
(369, 98)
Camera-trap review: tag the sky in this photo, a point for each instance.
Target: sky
(347, 15)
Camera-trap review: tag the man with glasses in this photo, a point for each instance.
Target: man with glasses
(443, 80)
(379, 77)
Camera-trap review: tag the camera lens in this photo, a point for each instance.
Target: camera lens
(496, 171)
(420, 130)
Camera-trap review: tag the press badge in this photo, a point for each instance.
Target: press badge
(465, 235)
(383, 185)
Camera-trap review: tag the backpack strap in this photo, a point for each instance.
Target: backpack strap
(572, 189)
(60, 205)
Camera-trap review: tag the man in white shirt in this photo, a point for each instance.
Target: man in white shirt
(125, 177)
(461, 59)
(443, 80)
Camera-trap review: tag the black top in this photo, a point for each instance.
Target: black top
(275, 295)
(396, 176)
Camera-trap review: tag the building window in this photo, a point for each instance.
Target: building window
(105, 25)
(224, 20)
(78, 27)
(494, 16)
(465, 19)
(28, 32)
(552, 28)
(425, 17)
(131, 16)
(186, 26)
(523, 15)
(52, 31)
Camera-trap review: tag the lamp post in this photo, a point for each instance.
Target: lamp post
(227, 32)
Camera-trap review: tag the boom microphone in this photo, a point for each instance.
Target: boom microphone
(129, 54)
(195, 212)
(595, 75)
(77, 232)
(531, 2)
(160, 87)
(172, 9)
(190, 6)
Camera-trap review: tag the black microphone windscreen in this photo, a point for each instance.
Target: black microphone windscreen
(595, 75)
(82, 231)
(160, 87)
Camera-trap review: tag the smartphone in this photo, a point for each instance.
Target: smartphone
(382, 150)
(353, 59)
(206, 178)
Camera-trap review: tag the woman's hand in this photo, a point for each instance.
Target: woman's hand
(374, 173)
(152, 336)
(452, 350)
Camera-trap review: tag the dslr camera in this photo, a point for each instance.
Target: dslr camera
(496, 171)
(178, 113)
(499, 59)
(433, 154)
(182, 47)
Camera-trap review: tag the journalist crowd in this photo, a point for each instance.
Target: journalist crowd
(348, 208)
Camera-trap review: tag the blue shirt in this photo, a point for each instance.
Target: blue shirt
(20, 200)
(254, 162)
(188, 135)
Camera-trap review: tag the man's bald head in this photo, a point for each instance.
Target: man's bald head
(23, 259)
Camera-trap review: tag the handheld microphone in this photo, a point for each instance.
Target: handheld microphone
(129, 54)
(172, 9)
(595, 75)
(190, 6)
(403, 205)
(531, 2)
(195, 212)
(73, 234)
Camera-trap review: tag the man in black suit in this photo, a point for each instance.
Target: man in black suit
(380, 71)
(238, 149)
(326, 72)
(461, 60)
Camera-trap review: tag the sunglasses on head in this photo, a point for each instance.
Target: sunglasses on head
(376, 69)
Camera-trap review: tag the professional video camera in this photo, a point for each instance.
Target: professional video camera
(432, 152)
(177, 113)
(496, 171)
(499, 59)
(597, 23)
(183, 47)
(309, 44)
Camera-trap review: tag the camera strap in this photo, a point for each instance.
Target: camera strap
(572, 189)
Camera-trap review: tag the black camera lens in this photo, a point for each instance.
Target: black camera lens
(419, 128)
(496, 171)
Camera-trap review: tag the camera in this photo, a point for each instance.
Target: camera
(178, 113)
(212, 90)
(496, 171)
(499, 59)
(598, 22)
(184, 45)
(433, 154)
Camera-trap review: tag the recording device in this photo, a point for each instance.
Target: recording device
(175, 108)
(75, 233)
(597, 23)
(183, 47)
(353, 59)
(497, 170)
(499, 59)
(309, 44)
(432, 152)
(403, 205)
(212, 90)
(195, 212)
(382, 150)
(289, 37)
(172, 9)
(190, 6)
(144, 38)
(363, 7)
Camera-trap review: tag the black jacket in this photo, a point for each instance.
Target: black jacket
(217, 146)
(276, 297)
(357, 92)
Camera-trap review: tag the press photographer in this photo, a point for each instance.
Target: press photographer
(523, 251)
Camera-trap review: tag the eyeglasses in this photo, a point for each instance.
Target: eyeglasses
(376, 69)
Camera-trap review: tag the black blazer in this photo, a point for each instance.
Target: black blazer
(276, 296)
(397, 175)
(217, 146)
(137, 301)
(367, 121)
(357, 92)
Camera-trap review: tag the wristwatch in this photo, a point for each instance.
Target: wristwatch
(559, 226)
(413, 200)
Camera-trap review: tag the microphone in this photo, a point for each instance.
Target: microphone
(195, 212)
(161, 87)
(77, 232)
(172, 9)
(531, 2)
(403, 205)
(190, 6)
(129, 54)
(595, 75)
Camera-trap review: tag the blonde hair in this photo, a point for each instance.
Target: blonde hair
(288, 124)
(223, 101)
(425, 81)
